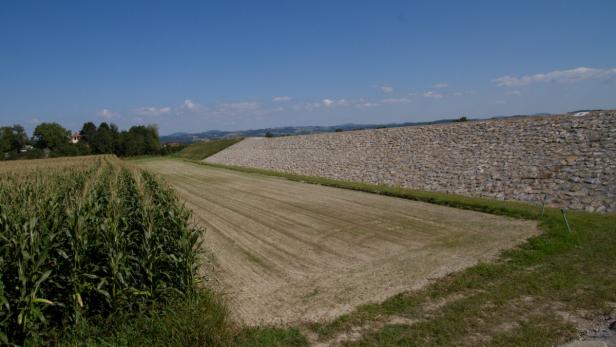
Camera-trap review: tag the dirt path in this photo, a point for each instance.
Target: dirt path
(289, 252)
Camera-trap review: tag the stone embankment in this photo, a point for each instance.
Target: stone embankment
(569, 160)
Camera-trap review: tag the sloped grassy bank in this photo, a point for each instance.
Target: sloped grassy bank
(203, 149)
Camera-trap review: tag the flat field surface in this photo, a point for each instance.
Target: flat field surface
(288, 252)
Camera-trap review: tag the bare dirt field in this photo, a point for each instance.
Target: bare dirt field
(289, 252)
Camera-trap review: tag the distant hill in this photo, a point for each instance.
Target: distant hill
(304, 130)
(285, 131)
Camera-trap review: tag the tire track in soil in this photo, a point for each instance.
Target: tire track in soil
(289, 252)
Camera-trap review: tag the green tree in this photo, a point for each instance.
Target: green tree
(132, 143)
(103, 141)
(21, 138)
(152, 140)
(12, 139)
(88, 132)
(50, 135)
(140, 140)
(107, 138)
(115, 139)
(6, 138)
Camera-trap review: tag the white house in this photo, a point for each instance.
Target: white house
(75, 138)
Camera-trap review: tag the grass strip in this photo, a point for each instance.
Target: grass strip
(204, 149)
(499, 207)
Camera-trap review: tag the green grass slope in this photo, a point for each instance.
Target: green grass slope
(204, 149)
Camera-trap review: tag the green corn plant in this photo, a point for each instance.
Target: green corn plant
(87, 237)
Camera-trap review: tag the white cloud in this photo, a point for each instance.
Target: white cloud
(152, 111)
(107, 114)
(367, 104)
(440, 85)
(353, 103)
(558, 76)
(236, 107)
(189, 105)
(335, 103)
(35, 121)
(432, 95)
(393, 101)
(233, 110)
(386, 89)
(514, 92)
(329, 103)
(223, 110)
(281, 98)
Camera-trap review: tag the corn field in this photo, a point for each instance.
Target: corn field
(87, 237)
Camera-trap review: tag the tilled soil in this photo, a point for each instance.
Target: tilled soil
(288, 252)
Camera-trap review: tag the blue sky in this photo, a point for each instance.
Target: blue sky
(194, 66)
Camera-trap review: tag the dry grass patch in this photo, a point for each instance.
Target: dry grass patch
(291, 252)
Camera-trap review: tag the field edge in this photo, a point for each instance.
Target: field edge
(542, 260)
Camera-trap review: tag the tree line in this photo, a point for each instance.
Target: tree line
(53, 140)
